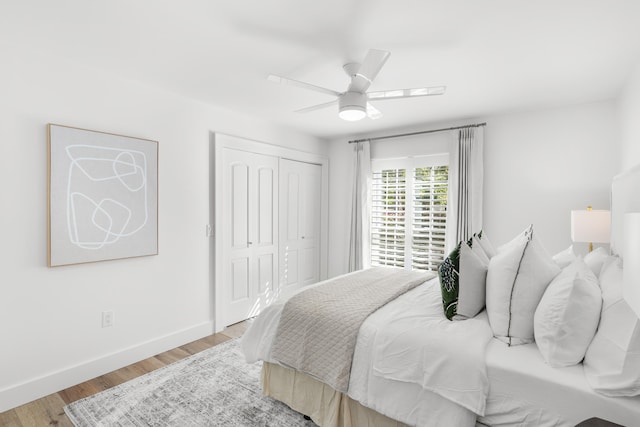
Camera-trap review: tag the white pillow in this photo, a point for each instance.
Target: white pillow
(473, 277)
(595, 259)
(567, 316)
(485, 243)
(564, 258)
(612, 362)
(517, 277)
(463, 277)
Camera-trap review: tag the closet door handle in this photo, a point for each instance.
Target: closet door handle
(250, 243)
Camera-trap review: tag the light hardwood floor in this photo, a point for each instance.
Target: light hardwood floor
(49, 411)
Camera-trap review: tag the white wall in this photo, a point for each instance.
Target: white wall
(50, 318)
(538, 167)
(629, 113)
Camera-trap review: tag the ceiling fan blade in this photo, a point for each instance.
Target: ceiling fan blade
(372, 112)
(317, 107)
(291, 82)
(369, 69)
(373, 63)
(407, 93)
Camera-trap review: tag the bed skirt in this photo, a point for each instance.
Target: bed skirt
(326, 406)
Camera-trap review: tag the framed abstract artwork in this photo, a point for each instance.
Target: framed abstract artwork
(102, 196)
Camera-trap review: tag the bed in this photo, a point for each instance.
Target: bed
(408, 370)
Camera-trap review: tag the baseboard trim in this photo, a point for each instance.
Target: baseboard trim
(36, 388)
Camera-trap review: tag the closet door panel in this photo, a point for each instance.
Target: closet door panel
(289, 267)
(266, 217)
(265, 273)
(265, 246)
(239, 205)
(240, 279)
(300, 189)
(309, 265)
(310, 203)
(310, 223)
(292, 196)
(250, 202)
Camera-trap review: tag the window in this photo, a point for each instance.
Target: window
(408, 212)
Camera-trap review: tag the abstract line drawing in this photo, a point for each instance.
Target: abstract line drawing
(106, 219)
(102, 196)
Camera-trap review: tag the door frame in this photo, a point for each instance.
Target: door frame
(222, 141)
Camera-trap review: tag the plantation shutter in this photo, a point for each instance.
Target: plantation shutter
(408, 213)
(429, 217)
(387, 217)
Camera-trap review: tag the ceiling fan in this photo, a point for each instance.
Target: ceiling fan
(353, 104)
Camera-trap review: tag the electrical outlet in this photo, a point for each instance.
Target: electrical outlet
(107, 319)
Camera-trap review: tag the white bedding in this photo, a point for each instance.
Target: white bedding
(410, 362)
(411, 341)
(318, 328)
(526, 391)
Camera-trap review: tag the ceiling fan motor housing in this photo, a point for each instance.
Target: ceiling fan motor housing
(352, 106)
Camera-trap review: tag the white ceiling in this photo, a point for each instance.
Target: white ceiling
(494, 56)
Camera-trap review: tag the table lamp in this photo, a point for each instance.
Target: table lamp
(590, 226)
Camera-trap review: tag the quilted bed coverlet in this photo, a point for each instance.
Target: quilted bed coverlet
(318, 328)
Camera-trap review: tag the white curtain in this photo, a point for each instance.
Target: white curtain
(464, 203)
(359, 245)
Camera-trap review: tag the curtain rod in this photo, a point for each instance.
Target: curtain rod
(475, 125)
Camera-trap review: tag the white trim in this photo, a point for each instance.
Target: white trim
(410, 162)
(222, 141)
(36, 388)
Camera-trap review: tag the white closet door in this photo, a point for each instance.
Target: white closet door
(250, 215)
(300, 202)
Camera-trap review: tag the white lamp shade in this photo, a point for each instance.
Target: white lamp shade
(591, 226)
(631, 259)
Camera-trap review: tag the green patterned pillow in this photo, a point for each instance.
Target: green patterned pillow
(448, 272)
(463, 281)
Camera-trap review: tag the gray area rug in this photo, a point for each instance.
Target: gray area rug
(215, 387)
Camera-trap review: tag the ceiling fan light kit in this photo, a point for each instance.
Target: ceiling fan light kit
(353, 104)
